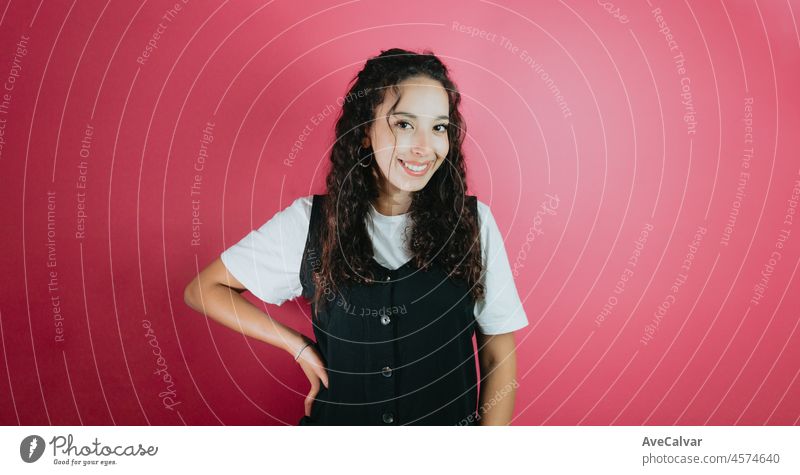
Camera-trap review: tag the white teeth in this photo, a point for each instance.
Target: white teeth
(415, 168)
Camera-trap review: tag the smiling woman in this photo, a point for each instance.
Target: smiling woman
(410, 144)
(402, 267)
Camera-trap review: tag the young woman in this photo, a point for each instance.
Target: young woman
(400, 265)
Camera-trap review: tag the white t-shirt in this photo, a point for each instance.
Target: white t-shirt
(267, 261)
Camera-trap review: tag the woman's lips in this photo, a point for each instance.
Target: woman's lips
(420, 168)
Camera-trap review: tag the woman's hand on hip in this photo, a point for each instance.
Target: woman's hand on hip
(311, 362)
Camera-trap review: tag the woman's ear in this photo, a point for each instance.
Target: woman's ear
(365, 142)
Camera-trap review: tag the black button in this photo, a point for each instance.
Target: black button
(388, 277)
(385, 320)
(386, 371)
(388, 417)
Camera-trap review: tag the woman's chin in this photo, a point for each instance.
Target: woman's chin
(412, 186)
(407, 184)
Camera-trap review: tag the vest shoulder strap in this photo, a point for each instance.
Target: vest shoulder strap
(312, 252)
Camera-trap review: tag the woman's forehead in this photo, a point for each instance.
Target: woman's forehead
(419, 96)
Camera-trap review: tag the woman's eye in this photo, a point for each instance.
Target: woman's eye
(402, 123)
(443, 128)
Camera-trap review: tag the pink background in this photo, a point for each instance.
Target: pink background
(587, 108)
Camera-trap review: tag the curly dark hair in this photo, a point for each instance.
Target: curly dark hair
(443, 230)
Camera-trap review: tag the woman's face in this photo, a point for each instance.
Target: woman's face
(413, 144)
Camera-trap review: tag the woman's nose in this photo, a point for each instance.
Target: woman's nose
(421, 146)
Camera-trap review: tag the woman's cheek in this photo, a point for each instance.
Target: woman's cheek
(443, 146)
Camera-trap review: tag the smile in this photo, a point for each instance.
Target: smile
(415, 168)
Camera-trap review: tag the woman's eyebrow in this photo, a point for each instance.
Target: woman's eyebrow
(409, 114)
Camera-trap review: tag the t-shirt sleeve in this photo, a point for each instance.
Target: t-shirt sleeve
(267, 260)
(501, 310)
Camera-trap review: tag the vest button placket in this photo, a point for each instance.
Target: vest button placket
(383, 387)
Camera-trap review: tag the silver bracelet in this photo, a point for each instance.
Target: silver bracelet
(301, 350)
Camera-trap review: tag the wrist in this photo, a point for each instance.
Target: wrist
(295, 343)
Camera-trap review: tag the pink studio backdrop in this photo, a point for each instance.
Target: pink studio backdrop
(637, 156)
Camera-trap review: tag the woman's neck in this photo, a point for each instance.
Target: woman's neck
(393, 203)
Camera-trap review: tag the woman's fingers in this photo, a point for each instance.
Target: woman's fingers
(312, 394)
(311, 359)
(315, 371)
(322, 373)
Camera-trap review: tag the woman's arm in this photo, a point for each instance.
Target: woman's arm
(498, 363)
(216, 293)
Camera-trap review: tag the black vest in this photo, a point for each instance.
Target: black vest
(399, 350)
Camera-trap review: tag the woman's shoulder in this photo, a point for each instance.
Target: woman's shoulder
(291, 218)
(484, 210)
(303, 203)
(300, 207)
(489, 231)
